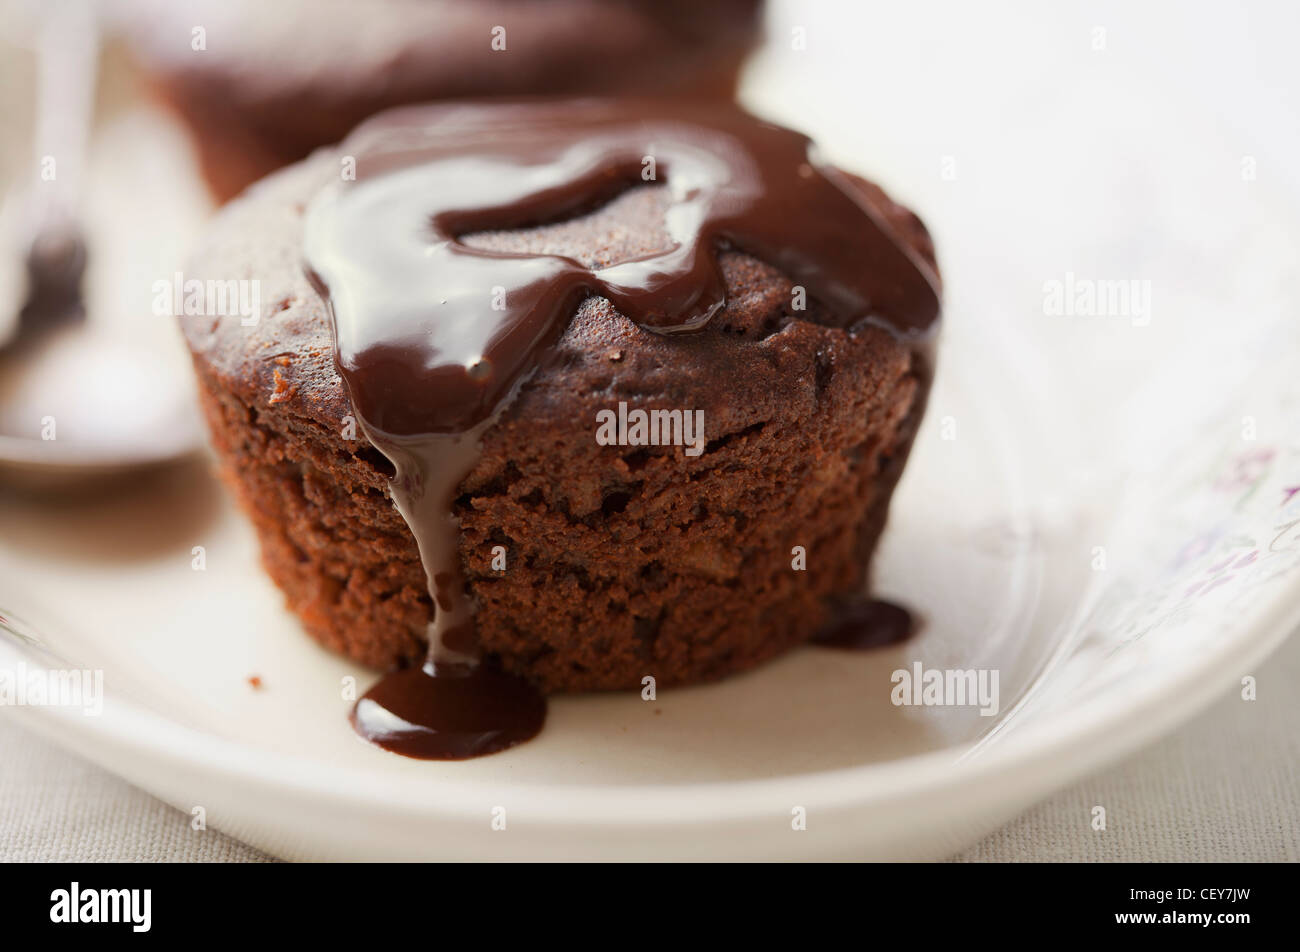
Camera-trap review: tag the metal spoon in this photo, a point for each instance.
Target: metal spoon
(76, 403)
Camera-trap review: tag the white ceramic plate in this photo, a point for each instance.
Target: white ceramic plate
(1100, 531)
(705, 772)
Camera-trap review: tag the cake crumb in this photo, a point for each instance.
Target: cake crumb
(283, 391)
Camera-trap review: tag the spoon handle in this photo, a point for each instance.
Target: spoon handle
(67, 69)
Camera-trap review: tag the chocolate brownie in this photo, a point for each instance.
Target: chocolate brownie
(262, 84)
(621, 561)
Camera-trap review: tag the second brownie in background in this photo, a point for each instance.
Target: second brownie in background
(261, 85)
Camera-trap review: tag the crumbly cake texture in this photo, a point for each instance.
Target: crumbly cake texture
(622, 561)
(275, 81)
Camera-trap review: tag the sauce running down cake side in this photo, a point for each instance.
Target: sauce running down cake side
(434, 335)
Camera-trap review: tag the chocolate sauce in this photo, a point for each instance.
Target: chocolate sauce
(433, 337)
(867, 623)
(457, 712)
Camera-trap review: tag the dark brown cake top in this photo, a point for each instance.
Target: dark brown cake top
(433, 333)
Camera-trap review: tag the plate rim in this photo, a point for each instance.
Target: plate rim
(1089, 730)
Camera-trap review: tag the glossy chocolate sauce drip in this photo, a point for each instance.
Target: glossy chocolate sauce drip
(451, 714)
(867, 623)
(433, 337)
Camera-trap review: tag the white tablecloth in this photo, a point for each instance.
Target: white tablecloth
(1202, 794)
